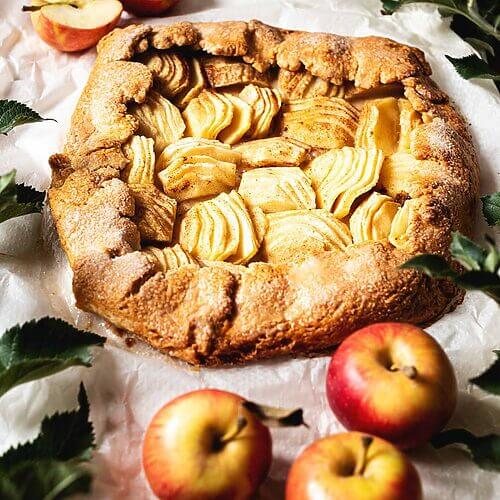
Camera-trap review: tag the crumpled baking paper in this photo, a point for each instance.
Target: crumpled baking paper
(127, 386)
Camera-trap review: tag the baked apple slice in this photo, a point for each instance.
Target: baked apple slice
(168, 258)
(170, 70)
(224, 71)
(159, 119)
(293, 235)
(401, 223)
(140, 152)
(207, 115)
(339, 176)
(321, 122)
(265, 103)
(301, 84)
(241, 122)
(277, 189)
(154, 212)
(372, 219)
(271, 152)
(196, 85)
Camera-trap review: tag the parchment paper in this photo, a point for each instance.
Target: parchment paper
(127, 386)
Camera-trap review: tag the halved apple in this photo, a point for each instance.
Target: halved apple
(73, 25)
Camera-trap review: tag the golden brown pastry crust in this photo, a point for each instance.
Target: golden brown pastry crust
(225, 313)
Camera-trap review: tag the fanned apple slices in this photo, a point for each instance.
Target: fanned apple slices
(339, 176)
(226, 71)
(241, 122)
(293, 235)
(154, 212)
(192, 146)
(170, 71)
(372, 219)
(222, 229)
(197, 83)
(265, 103)
(402, 174)
(160, 120)
(321, 122)
(402, 222)
(141, 155)
(301, 84)
(208, 114)
(386, 124)
(277, 189)
(193, 168)
(169, 258)
(271, 152)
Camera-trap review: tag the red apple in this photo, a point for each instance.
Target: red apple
(352, 466)
(147, 8)
(70, 29)
(392, 380)
(205, 445)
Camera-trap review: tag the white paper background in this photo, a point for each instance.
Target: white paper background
(127, 387)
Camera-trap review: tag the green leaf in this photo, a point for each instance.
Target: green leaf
(45, 480)
(48, 467)
(489, 380)
(434, 266)
(491, 208)
(468, 253)
(17, 200)
(481, 46)
(484, 450)
(13, 113)
(41, 348)
(473, 67)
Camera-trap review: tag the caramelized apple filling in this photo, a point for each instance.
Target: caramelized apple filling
(256, 180)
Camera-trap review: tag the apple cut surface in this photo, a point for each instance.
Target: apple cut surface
(159, 119)
(226, 71)
(241, 122)
(403, 175)
(293, 235)
(154, 212)
(196, 84)
(170, 70)
(401, 223)
(271, 152)
(191, 146)
(220, 229)
(379, 125)
(409, 119)
(277, 189)
(71, 29)
(372, 219)
(190, 177)
(339, 176)
(265, 103)
(321, 122)
(208, 114)
(301, 84)
(168, 258)
(140, 152)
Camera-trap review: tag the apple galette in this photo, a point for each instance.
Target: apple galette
(231, 191)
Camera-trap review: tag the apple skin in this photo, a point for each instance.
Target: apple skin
(368, 397)
(145, 8)
(68, 38)
(179, 452)
(328, 469)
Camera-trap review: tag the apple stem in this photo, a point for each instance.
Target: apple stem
(366, 441)
(241, 423)
(410, 371)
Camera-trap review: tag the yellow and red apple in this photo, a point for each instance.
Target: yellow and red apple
(392, 380)
(206, 445)
(352, 466)
(74, 25)
(146, 8)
